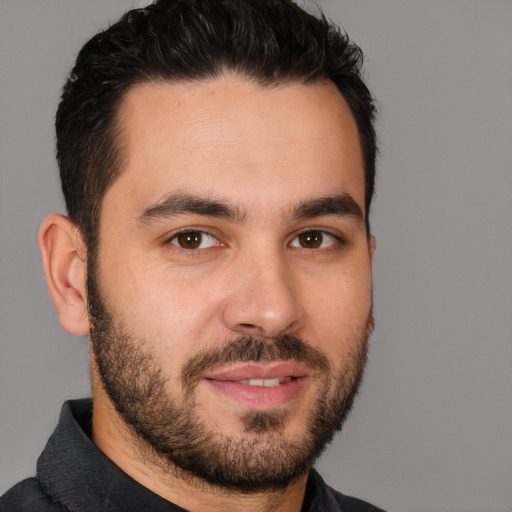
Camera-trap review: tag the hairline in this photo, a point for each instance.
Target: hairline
(117, 133)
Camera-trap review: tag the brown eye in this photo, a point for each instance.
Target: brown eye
(311, 239)
(314, 239)
(194, 240)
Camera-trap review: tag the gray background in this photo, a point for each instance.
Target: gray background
(432, 429)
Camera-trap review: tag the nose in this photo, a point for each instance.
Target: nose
(263, 298)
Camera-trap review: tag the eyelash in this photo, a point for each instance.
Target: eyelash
(337, 243)
(190, 232)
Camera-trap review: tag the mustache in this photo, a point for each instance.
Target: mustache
(253, 349)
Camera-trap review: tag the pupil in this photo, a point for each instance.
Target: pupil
(190, 240)
(311, 239)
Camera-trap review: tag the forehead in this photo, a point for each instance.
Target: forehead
(232, 136)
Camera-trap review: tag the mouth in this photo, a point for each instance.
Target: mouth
(260, 386)
(267, 383)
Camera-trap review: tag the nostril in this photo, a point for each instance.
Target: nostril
(250, 328)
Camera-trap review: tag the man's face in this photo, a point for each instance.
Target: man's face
(231, 293)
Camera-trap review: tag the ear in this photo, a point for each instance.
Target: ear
(372, 245)
(64, 258)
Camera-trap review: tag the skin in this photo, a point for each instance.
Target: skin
(262, 151)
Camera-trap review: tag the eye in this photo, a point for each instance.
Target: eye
(314, 239)
(194, 240)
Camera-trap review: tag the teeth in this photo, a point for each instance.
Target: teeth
(266, 382)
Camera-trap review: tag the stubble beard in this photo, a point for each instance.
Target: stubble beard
(172, 435)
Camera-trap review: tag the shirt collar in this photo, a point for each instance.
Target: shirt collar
(75, 472)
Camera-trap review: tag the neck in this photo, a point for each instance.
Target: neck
(119, 444)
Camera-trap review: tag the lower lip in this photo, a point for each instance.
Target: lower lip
(259, 397)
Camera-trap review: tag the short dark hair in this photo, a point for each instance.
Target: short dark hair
(271, 42)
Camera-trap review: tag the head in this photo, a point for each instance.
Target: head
(217, 160)
(270, 43)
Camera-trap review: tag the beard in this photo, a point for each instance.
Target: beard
(169, 430)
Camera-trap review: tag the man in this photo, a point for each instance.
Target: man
(217, 159)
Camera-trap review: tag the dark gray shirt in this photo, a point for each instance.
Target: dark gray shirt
(74, 475)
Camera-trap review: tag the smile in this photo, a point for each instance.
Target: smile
(260, 385)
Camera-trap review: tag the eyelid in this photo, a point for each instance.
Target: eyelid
(168, 240)
(339, 240)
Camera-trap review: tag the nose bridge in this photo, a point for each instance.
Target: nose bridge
(264, 295)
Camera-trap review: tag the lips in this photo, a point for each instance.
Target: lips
(259, 385)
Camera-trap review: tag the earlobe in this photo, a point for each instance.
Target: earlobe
(64, 257)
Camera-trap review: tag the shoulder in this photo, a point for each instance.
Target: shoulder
(349, 503)
(28, 496)
(322, 497)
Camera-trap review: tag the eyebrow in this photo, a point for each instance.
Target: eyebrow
(181, 203)
(342, 205)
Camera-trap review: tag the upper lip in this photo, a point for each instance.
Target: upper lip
(253, 370)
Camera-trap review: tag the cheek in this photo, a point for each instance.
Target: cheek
(338, 310)
(165, 306)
